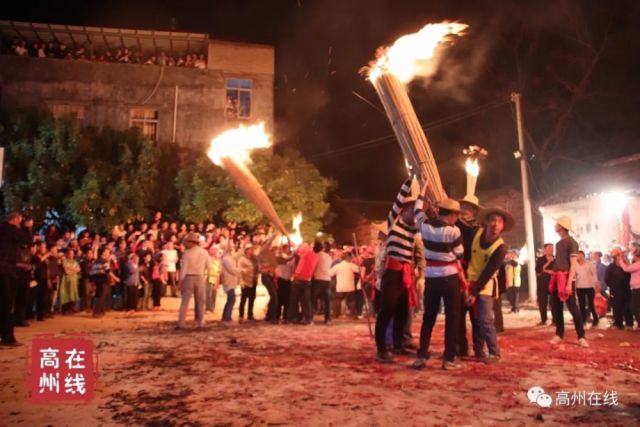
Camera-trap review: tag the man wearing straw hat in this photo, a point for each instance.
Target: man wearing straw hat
(561, 284)
(194, 269)
(443, 249)
(397, 286)
(488, 251)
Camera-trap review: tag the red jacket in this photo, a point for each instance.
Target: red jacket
(307, 265)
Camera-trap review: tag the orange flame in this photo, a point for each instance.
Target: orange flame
(238, 144)
(410, 55)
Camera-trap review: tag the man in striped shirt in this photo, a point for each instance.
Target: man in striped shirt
(442, 249)
(397, 286)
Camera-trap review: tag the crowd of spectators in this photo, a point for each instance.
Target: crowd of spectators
(135, 265)
(52, 49)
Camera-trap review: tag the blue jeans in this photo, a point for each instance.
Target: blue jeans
(192, 285)
(486, 327)
(228, 307)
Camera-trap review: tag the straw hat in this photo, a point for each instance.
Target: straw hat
(472, 200)
(565, 222)
(449, 204)
(509, 222)
(192, 237)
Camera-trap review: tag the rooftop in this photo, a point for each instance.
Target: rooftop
(103, 38)
(620, 174)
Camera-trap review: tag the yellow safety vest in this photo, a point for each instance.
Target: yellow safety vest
(479, 260)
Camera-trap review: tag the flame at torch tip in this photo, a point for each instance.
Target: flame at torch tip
(472, 167)
(238, 144)
(406, 57)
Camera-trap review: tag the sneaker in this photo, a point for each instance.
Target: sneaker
(541, 324)
(450, 366)
(582, 342)
(491, 359)
(555, 340)
(384, 357)
(328, 322)
(419, 363)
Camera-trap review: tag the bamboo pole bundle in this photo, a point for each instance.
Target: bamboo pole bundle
(251, 188)
(411, 137)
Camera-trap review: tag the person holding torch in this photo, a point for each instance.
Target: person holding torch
(397, 286)
(442, 250)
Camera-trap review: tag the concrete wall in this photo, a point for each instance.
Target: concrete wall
(109, 90)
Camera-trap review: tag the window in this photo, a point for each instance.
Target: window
(60, 109)
(238, 101)
(145, 119)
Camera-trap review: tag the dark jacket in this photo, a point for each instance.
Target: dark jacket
(10, 239)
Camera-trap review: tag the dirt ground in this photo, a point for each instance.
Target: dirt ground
(260, 374)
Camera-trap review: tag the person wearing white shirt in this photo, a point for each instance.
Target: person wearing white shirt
(586, 285)
(170, 262)
(230, 273)
(321, 282)
(195, 270)
(345, 272)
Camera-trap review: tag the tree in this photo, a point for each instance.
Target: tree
(59, 171)
(557, 69)
(293, 184)
(120, 179)
(42, 160)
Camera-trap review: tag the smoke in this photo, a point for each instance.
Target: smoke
(460, 63)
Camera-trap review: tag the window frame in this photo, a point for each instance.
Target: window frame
(140, 122)
(239, 89)
(77, 109)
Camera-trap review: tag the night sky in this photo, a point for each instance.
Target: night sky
(543, 49)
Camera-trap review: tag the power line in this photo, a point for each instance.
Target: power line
(389, 138)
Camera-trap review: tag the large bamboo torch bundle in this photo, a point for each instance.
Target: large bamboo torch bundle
(408, 130)
(231, 150)
(409, 57)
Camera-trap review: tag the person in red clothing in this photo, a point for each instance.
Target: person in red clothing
(301, 286)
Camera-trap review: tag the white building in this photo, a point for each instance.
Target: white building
(604, 206)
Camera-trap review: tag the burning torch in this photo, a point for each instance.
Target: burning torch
(231, 150)
(473, 153)
(395, 66)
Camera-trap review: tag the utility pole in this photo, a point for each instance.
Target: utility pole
(528, 218)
